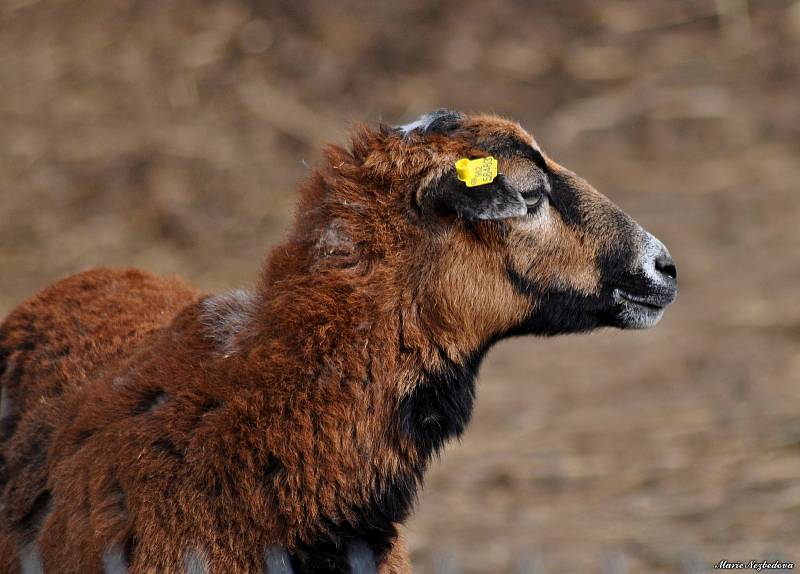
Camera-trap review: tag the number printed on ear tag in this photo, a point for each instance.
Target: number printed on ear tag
(475, 172)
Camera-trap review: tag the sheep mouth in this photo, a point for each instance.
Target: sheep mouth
(640, 312)
(654, 303)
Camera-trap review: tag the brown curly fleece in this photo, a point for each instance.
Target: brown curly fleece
(149, 428)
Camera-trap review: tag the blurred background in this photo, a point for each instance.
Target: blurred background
(171, 135)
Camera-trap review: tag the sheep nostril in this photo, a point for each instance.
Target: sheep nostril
(665, 266)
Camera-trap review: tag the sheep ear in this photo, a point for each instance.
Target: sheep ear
(495, 200)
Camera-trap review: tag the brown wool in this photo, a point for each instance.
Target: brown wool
(148, 426)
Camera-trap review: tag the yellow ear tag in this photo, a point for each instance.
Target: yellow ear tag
(475, 172)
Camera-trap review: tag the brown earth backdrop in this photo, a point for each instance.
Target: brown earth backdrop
(170, 135)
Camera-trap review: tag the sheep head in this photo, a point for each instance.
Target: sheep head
(535, 250)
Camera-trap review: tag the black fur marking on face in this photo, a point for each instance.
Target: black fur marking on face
(561, 311)
(617, 264)
(566, 201)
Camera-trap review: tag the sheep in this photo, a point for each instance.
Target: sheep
(147, 427)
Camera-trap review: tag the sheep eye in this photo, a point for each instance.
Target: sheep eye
(533, 199)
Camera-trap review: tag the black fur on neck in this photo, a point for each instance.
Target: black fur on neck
(437, 410)
(440, 406)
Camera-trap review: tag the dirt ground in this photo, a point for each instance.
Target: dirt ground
(170, 135)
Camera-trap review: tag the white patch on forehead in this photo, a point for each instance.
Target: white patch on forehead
(226, 316)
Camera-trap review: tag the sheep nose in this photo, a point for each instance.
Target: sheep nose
(665, 265)
(658, 265)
